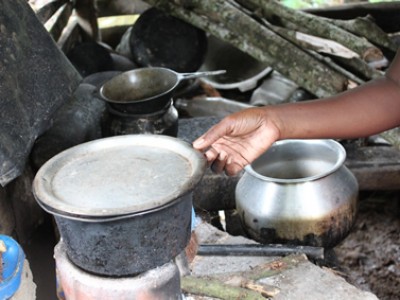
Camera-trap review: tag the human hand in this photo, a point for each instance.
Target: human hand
(238, 140)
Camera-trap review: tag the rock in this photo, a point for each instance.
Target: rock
(7, 221)
(27, 288)
(90, 57)
(302, 280)
(35, 80)
(28, 214)
(78, 121)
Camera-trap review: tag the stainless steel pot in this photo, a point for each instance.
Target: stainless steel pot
(122, 204)
(298, 192)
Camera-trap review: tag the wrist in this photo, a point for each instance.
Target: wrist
(274, 123)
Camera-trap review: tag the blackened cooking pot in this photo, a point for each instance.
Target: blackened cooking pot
(298, 192)
(122, 204)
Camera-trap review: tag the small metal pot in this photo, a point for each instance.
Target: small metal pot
(299, 192)
(122, 204)
(144, 90)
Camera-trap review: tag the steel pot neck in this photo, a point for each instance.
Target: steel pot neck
(150, 113)
(294, 154)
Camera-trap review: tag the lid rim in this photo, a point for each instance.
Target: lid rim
(45, 195)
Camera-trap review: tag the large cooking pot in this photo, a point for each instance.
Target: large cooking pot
(144, 90)
(298, 192)
(122, 204)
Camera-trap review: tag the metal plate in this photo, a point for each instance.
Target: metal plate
(118, 175)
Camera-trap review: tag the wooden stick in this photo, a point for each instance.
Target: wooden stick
(241, 284)
(211, 287)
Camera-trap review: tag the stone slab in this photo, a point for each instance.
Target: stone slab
(303, 281)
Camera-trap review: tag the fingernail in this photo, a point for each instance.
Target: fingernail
(222, 156)
(206, 155)
(198, 143)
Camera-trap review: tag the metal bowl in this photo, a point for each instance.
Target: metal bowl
(243, 72)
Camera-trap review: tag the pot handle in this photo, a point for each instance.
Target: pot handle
(182, 76)
(97, 93)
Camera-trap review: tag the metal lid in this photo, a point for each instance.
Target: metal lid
(118, 176)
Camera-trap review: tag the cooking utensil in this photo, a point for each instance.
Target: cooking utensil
(122, 204)
(146, 89)
(298, 192)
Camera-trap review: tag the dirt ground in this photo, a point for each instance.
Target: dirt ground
(370, 255)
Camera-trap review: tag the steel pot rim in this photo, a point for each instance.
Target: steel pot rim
(138, 101)
(109, 218)
(329, 142)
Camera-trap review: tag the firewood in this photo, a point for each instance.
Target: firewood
(228, 23)
(392, 136)
(87, 17)
(352, 63)
(365, 27)
(211, 287)
(241, 285)
(45, 11)
(316, 26)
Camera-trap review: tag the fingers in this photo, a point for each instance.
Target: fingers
(223, 164)
(221, 161)
(218, 165)
(201, 143)
(211, 155)
(213, 134)
(232, 169)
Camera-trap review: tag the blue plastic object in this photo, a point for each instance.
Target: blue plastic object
(12, 259)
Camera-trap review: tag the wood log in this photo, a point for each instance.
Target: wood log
(210, 287)
(385, 14)
(45, 12)
(87, 17)
(359, 67)
(56, 24)
(361, 70)
(70, 37)
(228, 23)
(242, 285)
(365, 27)
(392, 136)
(271, 9)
